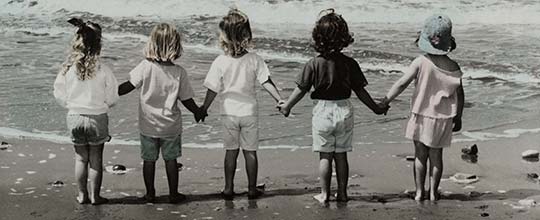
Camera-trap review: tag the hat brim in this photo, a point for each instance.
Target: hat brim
(425, 45)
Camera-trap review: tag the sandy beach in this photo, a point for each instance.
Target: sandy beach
(379, 180)
(497, 53)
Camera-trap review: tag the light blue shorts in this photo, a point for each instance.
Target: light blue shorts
(171, 147)
(88, 129)
(332, 126)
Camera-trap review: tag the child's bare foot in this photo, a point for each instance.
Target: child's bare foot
(176, 198)
(83, 198)
(255, 193)
(149, 198)
(419, 196)
(99, 200)
(322, 197)
(434, 196)
(342, 197)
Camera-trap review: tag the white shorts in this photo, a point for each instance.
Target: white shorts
(332, 126)
(240, 132)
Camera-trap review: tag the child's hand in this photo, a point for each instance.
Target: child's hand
(283, 108)
(200, 115)
(457, 124)
(384, 107)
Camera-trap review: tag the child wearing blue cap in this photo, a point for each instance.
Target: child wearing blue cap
(437, 101)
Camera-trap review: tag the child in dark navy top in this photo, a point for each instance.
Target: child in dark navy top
(333, 76)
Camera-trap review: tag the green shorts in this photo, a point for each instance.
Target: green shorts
(171, 147)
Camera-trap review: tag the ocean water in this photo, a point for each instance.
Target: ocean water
(498, 50)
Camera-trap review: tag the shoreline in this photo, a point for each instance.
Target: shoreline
(379, 179)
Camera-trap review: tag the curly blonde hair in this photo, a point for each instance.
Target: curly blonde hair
(235, 36)
(85, 50)
(164, 44)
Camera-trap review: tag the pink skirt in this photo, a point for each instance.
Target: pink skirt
(432, 132)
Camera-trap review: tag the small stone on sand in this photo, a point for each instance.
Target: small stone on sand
(530, 154)
(42, 161)
(409, 158)
(159, 209)
(51, 156)
(21, 155)
(58, 183)
(527, 202)
(464, 178)
(30, 172)
(4, 146)
(471, 150)
(532, 175)
(501, 191)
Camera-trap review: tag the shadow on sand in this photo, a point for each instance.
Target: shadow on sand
(370, 198)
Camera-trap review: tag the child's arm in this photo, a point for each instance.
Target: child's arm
(60, 89)
(271, 89)
(210, 96)
(364, 96)
(460, 104)
(125, 88)
(402, 83)
(111, 88)
(285, 107)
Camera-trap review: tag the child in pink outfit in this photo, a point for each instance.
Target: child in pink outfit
(437, 101)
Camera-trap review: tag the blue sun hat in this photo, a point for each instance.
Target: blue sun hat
(436, 36)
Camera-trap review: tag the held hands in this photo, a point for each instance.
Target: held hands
(200, 114)
(283, 108)
(383, 108)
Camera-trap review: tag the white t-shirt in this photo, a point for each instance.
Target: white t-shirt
(236, 80)
(162, 86)
(92, 96)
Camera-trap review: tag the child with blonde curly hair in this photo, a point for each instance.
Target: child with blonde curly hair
(88, 88)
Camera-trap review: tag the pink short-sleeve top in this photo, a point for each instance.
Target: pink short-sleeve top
(435, 93)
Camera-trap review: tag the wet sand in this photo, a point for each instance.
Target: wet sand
(379, 174)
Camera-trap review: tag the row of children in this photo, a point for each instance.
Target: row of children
(88, 88)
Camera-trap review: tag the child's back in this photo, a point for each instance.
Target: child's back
(237, 79)
(161, 86)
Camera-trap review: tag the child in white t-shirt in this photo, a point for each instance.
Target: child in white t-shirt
(88, 89)
(162, 84)
(235, 76)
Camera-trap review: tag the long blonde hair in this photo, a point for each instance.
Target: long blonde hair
(164, 44)
(85, 50)
(235, 36)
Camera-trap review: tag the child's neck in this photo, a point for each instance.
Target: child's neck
(241, 54)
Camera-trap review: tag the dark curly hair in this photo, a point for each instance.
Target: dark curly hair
(331, 33)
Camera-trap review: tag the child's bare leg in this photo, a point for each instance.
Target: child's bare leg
(342, 172)
(325, 170)
(149, 171)
(419, 170)
(96, 174)
(172, 178)
(252, 166)
(436, 169)
(230, 169)
(81, 172)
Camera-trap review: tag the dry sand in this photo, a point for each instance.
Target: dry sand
(379, 178)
